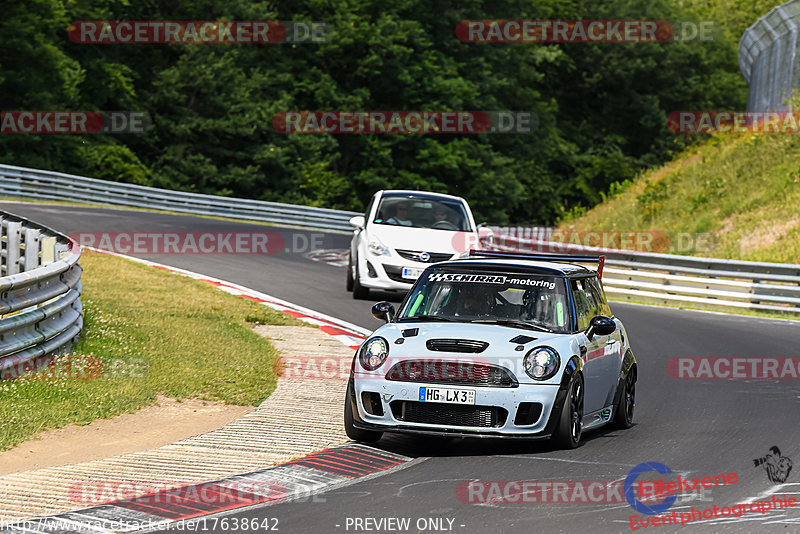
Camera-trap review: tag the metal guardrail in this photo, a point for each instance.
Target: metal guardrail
(671, 279)
(768, 53)
(637, 276)
(40, 289)
(20, 182)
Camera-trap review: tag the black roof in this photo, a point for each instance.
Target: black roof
(520, 266)
(420, 194)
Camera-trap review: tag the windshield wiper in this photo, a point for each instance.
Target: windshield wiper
(425, 317)
(512, 322)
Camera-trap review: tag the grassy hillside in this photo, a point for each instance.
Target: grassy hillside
(743, 190)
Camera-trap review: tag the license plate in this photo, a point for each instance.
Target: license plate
(447, 395)
(410, 272)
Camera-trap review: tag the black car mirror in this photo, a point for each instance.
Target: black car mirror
(600, 325)
(383, 311)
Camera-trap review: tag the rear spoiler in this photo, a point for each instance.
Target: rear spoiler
(570, 258)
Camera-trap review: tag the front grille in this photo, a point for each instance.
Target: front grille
(434, 257)
(458, 373)
(433, 413)
(396, 274)
(456, 345)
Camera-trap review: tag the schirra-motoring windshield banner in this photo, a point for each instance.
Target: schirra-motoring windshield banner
(505, 279)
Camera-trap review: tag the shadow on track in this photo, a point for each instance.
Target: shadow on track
(441, 447)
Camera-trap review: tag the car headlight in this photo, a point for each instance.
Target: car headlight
(374, 353)
(541, 363)
(377, 248)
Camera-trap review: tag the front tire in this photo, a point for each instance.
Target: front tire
(350, 272)
(623, 418)
(359, 291)
(570, 424)
(356, 434)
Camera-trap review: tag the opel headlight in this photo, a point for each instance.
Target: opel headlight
(374, 353)
(377, 248)
(541, 363)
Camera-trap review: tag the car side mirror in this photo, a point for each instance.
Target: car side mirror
(358, 221)
(383, 311)
(600, 325)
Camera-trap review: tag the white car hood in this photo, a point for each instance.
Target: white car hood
(499, 352)
(423, 239)
(496, 335)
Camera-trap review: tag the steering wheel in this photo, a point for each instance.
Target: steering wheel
(444, 225)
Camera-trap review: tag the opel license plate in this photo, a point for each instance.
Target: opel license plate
(411, 273)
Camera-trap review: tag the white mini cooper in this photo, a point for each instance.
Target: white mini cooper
(509, 345)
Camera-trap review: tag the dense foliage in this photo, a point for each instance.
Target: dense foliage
(602, 107)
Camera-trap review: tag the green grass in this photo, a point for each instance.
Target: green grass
(739, 193)
(154, 332)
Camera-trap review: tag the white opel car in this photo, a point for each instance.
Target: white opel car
(507, 345)
(402, 233)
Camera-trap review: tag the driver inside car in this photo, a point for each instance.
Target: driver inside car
(440, 214)
(538, 307)
(475, 300)
(401, 215)
(442, 218)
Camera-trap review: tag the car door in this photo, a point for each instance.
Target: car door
(596, 363)
(612, 355)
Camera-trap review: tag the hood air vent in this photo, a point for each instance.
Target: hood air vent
(456, 345)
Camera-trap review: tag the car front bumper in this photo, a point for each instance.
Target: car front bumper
(498, 411)
(385, 272)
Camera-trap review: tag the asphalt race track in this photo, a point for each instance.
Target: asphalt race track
(696, 427)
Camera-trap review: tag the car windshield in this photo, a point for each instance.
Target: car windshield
(522, 300)
(423, 212)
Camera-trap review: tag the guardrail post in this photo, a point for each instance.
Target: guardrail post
(60, 250)
(32, 237)
(13, 238)
(48, 245)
